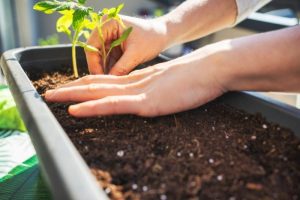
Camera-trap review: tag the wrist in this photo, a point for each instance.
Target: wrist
(174, 29)
(222, 64)
(237, 69)
(160, 28)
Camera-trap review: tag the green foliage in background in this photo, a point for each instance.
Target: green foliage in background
(50, 40)
(9, 115)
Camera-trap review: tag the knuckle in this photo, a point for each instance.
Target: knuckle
(113, 104)
(87, 79)
(93, 107)
(92, 88)
(121, 71)
(148, 108)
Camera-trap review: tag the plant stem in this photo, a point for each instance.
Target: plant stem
(74, 60)
(104, 56)
(104, 64)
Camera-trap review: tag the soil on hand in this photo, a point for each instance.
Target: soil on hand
(213, 152)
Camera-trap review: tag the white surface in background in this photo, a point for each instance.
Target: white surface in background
(2, 80)
(246, 7)
(285, 97)
(26, 22)
(263, 17)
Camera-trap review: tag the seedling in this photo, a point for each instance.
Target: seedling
(100, 20)
(79, 20)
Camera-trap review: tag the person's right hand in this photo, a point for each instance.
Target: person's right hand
(145, 42)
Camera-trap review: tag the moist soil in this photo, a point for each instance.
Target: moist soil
(212, 152)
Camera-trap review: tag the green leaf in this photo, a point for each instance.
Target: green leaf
(104, 11)
(82, 1)
(78, 18)
(119, 8)
(87, 47)
(49, 7)
(64, 22)
(88, 24)
(94, 17)
(121, 39)
(112, 12)
(45, 6)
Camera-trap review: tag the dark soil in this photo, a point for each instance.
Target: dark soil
(213, 152)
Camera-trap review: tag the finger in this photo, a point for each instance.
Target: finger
(98, 79)
(128, 61)
(93, 58)
(113, 58)
(108, 106)
(94, 61)
(107, 79)
(145, 71)
(87, 92)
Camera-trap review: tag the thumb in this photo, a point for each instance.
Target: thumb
(128, 61)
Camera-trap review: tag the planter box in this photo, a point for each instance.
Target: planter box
(64, 169)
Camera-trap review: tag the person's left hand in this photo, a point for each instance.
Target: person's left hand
(165, 88)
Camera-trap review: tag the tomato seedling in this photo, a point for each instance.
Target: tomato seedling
(79, 20)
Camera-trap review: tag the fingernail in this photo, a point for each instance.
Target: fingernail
(49, 94)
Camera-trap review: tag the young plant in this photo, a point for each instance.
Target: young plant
(83, 20)
(100, 19)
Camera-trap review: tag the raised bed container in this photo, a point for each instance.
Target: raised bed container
(64, 169)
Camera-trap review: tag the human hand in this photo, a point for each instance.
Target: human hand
(145, 42)
(165, 88)
(191, 80)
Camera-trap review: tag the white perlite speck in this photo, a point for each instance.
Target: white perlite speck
(107, 190)
(134, 186)
(253, 137)
(163, 197)
(264, 126)
(145, 188)
(120, 153)
(220, 177)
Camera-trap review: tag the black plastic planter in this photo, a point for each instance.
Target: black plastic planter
(64, 169)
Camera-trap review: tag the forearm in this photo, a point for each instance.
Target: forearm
(196, 18)
(264, 62)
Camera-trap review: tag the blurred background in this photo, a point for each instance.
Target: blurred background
(21, 26)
